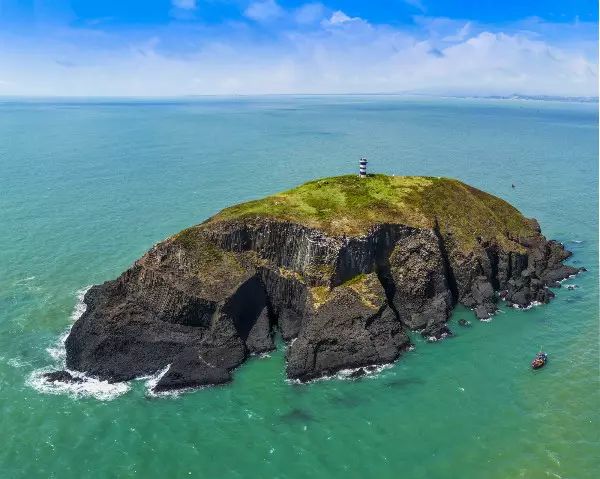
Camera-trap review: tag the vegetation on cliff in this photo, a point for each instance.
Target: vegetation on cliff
(349, 205)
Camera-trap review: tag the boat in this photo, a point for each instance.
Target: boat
(539, 361)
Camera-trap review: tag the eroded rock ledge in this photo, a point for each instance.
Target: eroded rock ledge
(342, 291)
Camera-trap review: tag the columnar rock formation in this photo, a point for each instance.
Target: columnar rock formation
(342, 268)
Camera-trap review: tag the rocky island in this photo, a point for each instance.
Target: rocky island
(343, 268)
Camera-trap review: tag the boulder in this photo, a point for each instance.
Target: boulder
(190, 370)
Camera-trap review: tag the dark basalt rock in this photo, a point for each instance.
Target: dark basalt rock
(422, 295)
(190, 370)
(61, 377)
(354, 328)
(206, 299)
(436, 332)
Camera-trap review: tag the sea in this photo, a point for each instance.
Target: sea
(88, 185)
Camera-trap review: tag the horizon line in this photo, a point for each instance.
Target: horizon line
(512, 96)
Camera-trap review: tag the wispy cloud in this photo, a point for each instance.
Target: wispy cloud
(264, 11)
(184, 4)
(338, 17)
(309, 13)
(308, 49)
(461, 34)
(418, 4)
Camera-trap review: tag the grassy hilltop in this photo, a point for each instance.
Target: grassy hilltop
(349, 205)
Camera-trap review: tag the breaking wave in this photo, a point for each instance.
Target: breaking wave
(87, 386)
(58, 351)
(348, 374)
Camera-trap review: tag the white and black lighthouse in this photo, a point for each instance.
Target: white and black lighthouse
(362, 167)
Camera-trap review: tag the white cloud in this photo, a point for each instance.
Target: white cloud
(460, 35)
(339, 55)
(338, 17)
(264, 11)
(184, 4)
(309, 13)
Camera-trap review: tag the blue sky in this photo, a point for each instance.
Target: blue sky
(195, 47)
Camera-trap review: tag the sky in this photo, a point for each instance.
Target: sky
(166, 48)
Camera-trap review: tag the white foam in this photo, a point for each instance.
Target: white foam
(58, 351)
(17, 363)
(152, 381)
(346, 374)
(370, 372)
(88, 387)
(568, 278)
(25, 280)
(533, 304)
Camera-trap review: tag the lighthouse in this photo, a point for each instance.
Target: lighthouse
(362, 168)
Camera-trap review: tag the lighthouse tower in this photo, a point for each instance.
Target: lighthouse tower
(362, 168)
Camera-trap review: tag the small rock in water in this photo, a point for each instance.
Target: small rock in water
(62, 377)
(357, 373)
(436, 332)
(190, 370)
(482, 312)
(571, 287)
(464, 322)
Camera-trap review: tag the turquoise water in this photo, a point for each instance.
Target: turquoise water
(86, 188)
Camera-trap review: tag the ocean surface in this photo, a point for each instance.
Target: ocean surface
(86, 187)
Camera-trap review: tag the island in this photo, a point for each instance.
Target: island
(343, 268)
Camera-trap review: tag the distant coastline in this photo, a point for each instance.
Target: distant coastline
(142, 99)
(516, 96)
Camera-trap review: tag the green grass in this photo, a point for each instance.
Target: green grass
(349, 205)
(213, 266)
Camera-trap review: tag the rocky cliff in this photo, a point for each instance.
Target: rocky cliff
(343, 268)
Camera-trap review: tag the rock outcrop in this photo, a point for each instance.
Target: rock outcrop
(342, 268)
